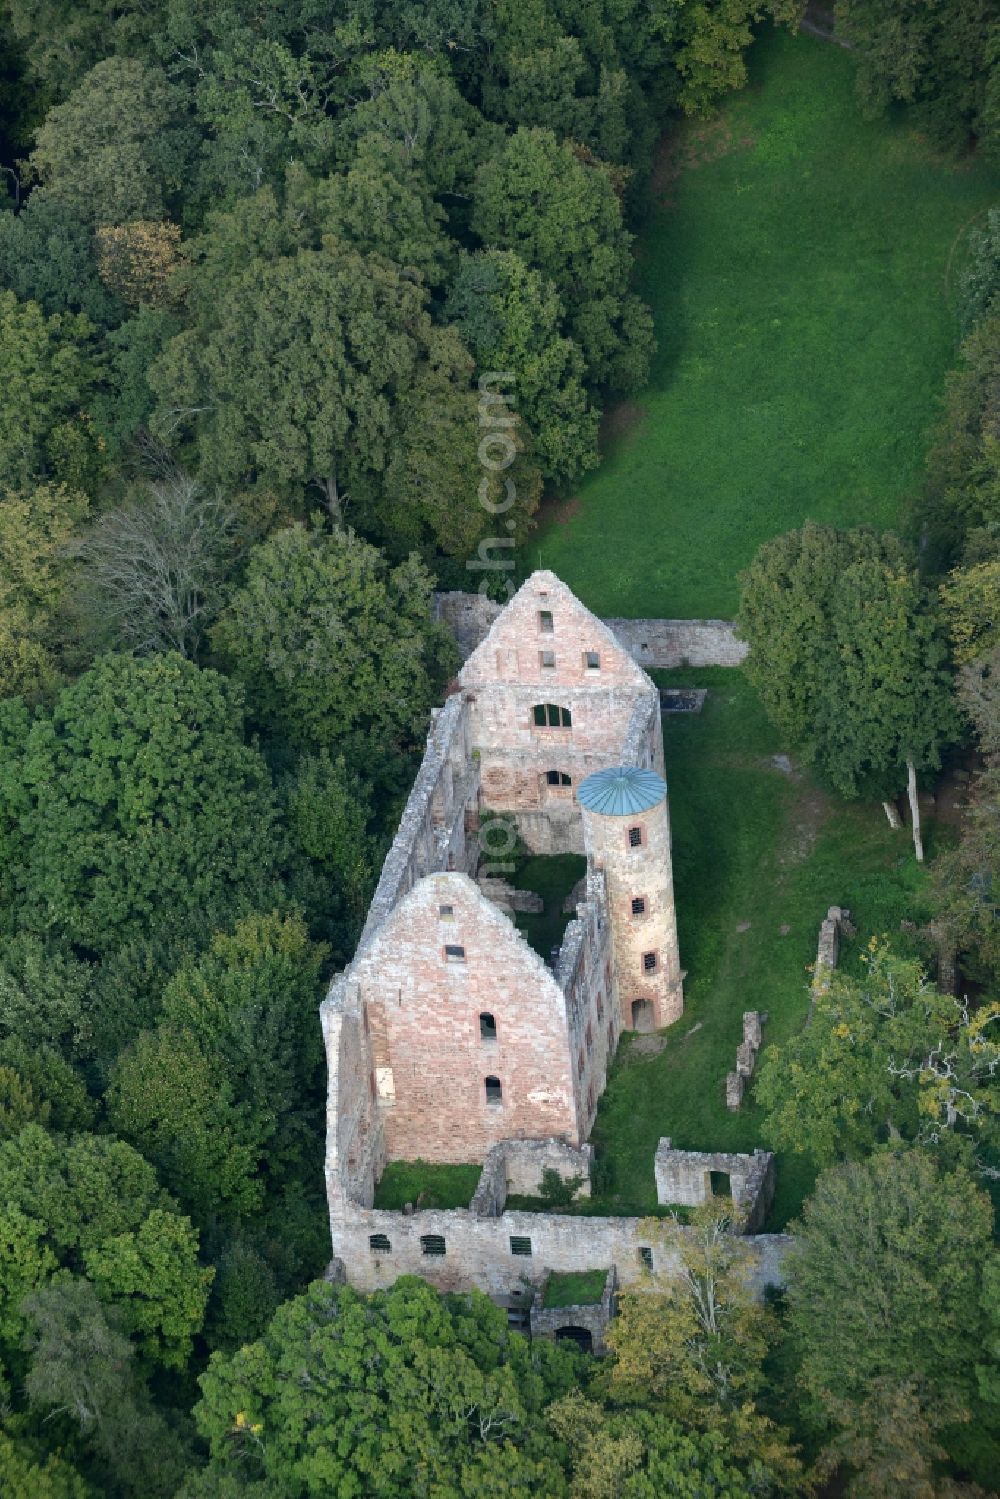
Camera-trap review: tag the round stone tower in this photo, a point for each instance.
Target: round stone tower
(626, 830)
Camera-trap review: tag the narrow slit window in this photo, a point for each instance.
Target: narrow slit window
(454, 953)
(379, 1243)
(494, 1090)
(487, 1026)
(520, 1244)
(432, 1244)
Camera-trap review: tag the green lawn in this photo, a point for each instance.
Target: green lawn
(574, 1288)
(751, 844)
(797, 277)
(426, 1185)
(552, 876)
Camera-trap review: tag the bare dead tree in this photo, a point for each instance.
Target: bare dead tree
(158, 565)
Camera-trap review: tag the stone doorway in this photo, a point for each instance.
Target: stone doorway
(642, 1015)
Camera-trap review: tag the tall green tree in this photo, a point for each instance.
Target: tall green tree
(225, 1096)
(82, 1366)
(884, 1287)
(91, 1204)
(134, 808)
(399, 1393)
(938, 57)
(335, 648)
(693, 1343)
(118, 148)
(884, 1056)
(47, 256)
(510, 317)
(305, 373)
(849, 658)
(47, 373)
(556, 206)
(37, 527)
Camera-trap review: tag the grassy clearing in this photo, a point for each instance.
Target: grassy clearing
(426, 1185)
(752, 844)
(574, 1288)
(552, 876)
(796, 267)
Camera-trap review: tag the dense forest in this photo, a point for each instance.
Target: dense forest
(254, 261)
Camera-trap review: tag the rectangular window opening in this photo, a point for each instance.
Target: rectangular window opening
(649, 962)
(432, 1244)
(520, 1244)
(545, 622)
(547, 659)
(379, 1243)
(454, 953)
(639, 905)
(592, 660)
(635, 837)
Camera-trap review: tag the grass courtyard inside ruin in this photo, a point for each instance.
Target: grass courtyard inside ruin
(800, 265)
(759, 856)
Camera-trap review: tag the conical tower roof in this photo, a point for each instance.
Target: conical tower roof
(622, 791)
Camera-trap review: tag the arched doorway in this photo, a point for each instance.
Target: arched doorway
(581, 1336)
(642, 1014)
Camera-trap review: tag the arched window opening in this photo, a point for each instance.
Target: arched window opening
(552, 716)
(558, 778)
(487, 1026)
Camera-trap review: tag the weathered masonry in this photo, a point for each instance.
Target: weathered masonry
(448, 1037)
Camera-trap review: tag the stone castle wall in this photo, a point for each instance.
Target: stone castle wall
(415, 1069)
(651, 643)
(479, 1251)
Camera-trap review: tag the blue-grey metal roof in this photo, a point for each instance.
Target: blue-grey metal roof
(622, 791)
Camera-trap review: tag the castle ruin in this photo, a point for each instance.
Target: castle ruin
(448, 1037)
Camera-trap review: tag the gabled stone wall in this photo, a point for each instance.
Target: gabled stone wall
(613, 708)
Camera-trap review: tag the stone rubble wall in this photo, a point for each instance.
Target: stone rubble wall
(835, 924)
(746, 1058)
(517, 1166)
(478, 1249)
(667, 643)
(661, 643)
(431, 832)
(508, 897)
(683, 1177)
